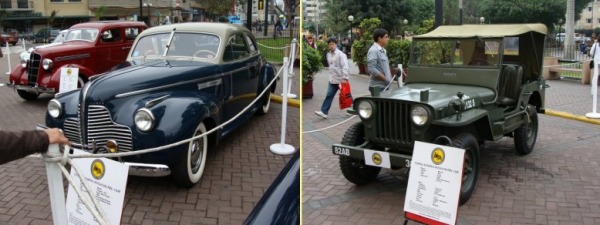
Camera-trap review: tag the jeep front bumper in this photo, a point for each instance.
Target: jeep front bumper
(396, 160)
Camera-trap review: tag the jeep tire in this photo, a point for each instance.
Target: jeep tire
(469, 143)
(355, 170)
(28, 96)
(526, 135)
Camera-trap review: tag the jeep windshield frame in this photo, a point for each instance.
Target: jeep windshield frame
(457, 52)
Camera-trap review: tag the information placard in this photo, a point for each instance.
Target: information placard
(434, 182)
(68, 79)
(107, 180)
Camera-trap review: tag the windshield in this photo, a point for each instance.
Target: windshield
(60, 37)
(82, 34)
(183, 44)
(474, 52)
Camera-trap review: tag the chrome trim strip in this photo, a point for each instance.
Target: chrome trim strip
(72, 57)
(209, 84)
(82, 110)
(127, 94)
(155, 101)
(148, 170)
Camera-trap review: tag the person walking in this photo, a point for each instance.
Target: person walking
(338, 74)
(378, 65)
(18, 144)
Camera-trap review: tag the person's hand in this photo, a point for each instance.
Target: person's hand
(344, 81)
(55, 136)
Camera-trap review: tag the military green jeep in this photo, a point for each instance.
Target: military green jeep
(468, 84)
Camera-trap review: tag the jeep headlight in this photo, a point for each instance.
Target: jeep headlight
(365, 109)
(144, 120)
(47, 64)
(419, 115)
(54, 108)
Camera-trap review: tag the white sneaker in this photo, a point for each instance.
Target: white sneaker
(321, 114)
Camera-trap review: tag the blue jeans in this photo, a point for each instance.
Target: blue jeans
(331, 91)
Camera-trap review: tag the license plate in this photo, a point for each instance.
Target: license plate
(377, 158)
(341, 151)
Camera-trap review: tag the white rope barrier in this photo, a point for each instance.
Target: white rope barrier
(155, 149)
(559, 65)
(54, 159)
(266, 46)
(329, 127)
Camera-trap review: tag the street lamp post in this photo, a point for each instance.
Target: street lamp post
(350, 18)
(148, 5)
(405, 22)
(481, 19)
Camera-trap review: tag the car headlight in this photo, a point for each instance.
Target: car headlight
(47, 64)
(419, 115)
(144, 120)
(24, 56)
(365, 109)
(54, 108)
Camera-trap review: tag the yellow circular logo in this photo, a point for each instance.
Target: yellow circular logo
(69, 71)
(97, 169)
(376, 158)
(438, 156)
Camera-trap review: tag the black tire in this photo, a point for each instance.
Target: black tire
(526, 135)
(28, 96)
(355, 170)
(186, 173)
(469, 143)
(264, 108)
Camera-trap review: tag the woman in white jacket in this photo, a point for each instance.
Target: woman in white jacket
(595, 53)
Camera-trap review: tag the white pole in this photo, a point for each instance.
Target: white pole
(8, 58)
(56, 189)
(400, 79)
(291, 69)
(23, 42)
(594, 114)
(283, 148)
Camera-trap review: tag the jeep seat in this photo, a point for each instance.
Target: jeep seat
(509, 86)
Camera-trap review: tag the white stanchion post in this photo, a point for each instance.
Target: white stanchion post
(56, 189)
(291, 69)
(8, 58)
(401, 78)
(283, 148)
(594, 114)
(23, 42)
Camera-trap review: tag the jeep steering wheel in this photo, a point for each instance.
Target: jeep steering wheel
(205, 54)
(479, 62)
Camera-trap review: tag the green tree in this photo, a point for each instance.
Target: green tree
(336, 20)
(100, 12)
(547, 12)
(421, 10)
(389, 12)
(218, 7)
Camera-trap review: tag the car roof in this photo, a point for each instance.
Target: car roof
(220, 29)
(484, 30)
(101, 24)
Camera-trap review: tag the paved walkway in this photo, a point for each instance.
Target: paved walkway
(556, 184)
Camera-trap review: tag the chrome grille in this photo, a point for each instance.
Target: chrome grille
(393, 123)
(71, 130)
(33, 67)
(101, 128)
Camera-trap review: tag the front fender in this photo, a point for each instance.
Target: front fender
(18, 75)
(176, 119)
(84, 72)
(468, 117)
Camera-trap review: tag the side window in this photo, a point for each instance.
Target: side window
(236, 48)
(112, 35)
(131, 33)
(251, 44)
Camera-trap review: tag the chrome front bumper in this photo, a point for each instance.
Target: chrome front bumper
(148, 170)
(35, 89)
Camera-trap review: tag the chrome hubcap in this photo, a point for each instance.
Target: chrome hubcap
(195, 156)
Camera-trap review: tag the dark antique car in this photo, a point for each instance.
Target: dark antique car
(93, 47)
(179, 81)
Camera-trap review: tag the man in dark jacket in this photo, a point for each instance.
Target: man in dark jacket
(18, 144)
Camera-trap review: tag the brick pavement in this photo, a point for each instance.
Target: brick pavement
(238, 172)
(556, 184)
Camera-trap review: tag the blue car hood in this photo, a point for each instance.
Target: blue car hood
(151, 74)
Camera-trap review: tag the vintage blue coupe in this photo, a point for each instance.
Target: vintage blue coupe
(179, 81)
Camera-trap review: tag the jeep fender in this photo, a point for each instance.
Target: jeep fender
(472, 120)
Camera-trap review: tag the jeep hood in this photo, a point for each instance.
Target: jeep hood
(440, 94)
(156, 74)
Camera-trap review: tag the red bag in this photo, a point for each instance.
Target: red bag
(345, 96)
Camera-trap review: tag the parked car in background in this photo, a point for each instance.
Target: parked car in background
(46, 35)
(179, 81)
(8, 38)
(93, 47)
